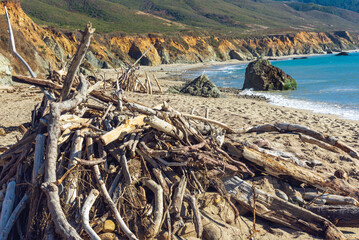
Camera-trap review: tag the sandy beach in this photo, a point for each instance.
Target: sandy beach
(233, 110)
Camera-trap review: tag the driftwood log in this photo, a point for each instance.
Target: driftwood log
(277, 210)
(341, 216)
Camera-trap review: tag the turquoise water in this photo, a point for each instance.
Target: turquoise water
(326, 83)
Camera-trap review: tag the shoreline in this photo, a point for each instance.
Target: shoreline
(177, 70)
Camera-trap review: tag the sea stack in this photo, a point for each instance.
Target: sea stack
(261, 75)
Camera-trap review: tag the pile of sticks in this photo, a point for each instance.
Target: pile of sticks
(129, 80)
(140, 164)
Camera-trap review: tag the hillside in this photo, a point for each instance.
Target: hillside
(352, 5)
(230, 17)
(42, 46)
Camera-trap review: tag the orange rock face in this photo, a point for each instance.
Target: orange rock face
(43, 45)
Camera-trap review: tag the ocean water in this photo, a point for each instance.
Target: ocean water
(327, 84)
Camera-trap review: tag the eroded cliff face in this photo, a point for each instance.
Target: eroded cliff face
(42, 46)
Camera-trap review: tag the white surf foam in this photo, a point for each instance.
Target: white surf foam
(317, 107)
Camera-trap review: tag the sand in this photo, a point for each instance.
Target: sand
(237, 112)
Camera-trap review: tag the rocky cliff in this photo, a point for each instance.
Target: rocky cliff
(42, 46)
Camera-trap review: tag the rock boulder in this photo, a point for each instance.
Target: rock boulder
(261, 75)
(5, 71)
(201, 86)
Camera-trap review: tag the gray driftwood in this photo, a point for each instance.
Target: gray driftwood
(277, 210)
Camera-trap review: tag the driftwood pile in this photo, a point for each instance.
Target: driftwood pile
(141, 164)
(128, 79)
(78, 166)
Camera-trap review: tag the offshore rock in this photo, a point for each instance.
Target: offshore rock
(261, 75)
(5, 71)
(201, 86)
(342, 54)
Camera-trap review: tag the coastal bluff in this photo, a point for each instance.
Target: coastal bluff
(261, 75)
(42, 45)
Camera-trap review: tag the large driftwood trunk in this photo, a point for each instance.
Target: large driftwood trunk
(341, 216)
(277, 210)
(279, 167)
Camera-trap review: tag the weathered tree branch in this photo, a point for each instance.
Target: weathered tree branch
(14, 216)
(85, 212)
(51, 190)
(153, 230)
(79, 56)
(8, 204)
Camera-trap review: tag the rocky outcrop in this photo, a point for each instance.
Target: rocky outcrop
(235, 54)
(201, 86)
(261, 75)
(43, 45)
(5, 71)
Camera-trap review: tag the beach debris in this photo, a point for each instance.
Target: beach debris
(261, 75)
(201, 86)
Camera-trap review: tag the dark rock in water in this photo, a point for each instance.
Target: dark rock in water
(342, 54)
(201, 86)
(261, 75)
(297, 58)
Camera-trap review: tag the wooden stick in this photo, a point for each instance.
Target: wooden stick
(85, 212)
(158, 83)
(79, 56)
(321, 144)
(14, 216)
(125, 170)
(331, 199)
(7, 204)
(178, 196)
(148, 49)
(154, 229)
(134, 145)
(196, 213)
(37, 82)
(107, 197)
(307, 131)
(283, 212)
(73, 178)
(163, 126)
(222, 125)
(90, 163)
(130, 126)
(159, 176)
(39, 156)
(140, 108)
(149, 84)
